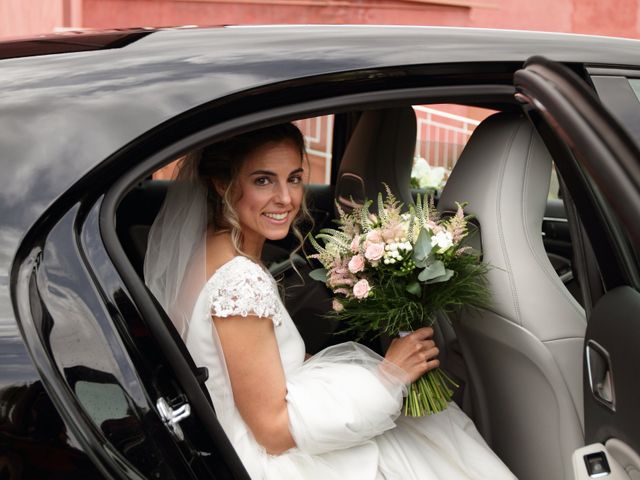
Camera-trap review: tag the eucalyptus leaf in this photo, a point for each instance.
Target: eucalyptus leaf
(319, 274)
(434, 270)
(422, 248)
(442, 278)
(414, 288)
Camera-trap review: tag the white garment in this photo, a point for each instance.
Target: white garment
(344, 416)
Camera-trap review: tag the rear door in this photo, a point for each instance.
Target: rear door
(599, 161)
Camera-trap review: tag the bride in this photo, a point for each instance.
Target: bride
(335, 415)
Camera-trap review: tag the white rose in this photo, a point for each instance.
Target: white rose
(426, 175)
(443, 240)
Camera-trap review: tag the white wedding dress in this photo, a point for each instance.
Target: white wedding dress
(344, 414)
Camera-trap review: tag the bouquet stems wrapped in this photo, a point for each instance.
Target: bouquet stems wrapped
(393, 271)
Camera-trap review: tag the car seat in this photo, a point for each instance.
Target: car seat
(380, 151)
(525, 352)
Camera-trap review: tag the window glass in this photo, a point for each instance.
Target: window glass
(318, 138)
(554, 186)
(442, 132)
(635, 84)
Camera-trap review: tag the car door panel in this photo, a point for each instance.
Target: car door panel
(599, 162)
(73, 343)
(615, 327)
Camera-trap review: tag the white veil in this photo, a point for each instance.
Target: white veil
(175, 272)
(175, 261)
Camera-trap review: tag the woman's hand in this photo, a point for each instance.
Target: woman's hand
(414, 353)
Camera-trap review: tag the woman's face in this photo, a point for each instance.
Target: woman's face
(270, 184)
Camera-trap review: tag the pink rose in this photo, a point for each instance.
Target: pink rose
(355, 244)
(361, 289)
(374, 236)
(337, 306)
(394, 231)
(374, 251)
(356, 264)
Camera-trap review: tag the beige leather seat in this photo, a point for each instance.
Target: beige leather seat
(525, 353)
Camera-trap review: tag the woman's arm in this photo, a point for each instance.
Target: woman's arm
(260, 389)
(257, 378)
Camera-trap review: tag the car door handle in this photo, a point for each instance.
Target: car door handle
(600, 374)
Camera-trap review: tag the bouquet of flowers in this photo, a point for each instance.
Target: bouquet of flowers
(393, 271)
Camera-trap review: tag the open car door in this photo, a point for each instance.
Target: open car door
(600, 165)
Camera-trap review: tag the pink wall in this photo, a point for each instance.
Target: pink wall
(615, 18)
(622, 18)
(24, 17)
(216, 12)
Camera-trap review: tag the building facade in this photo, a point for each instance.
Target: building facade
(619, 18)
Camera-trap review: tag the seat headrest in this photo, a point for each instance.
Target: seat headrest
(504, 173)
(380, 150)
(505, 165)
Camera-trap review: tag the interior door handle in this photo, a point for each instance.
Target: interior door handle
(600, 374)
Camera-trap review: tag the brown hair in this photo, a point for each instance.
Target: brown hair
(222, 161)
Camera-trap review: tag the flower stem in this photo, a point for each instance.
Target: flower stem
(430, 394)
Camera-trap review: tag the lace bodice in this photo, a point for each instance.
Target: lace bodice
(241, 287)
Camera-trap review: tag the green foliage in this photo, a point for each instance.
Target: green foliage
(395, 271)
(405, 309)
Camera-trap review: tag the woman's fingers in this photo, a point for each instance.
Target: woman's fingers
(431, 353)
(431, 364)
(415, 353)
(428, 344)
(423, 333)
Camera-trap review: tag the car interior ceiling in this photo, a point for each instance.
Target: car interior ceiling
(379, 149)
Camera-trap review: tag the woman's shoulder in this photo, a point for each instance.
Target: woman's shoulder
(241, 278)
(223, 257)
(242, 287)
(237, 268)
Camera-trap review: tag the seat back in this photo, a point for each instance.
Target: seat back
(525, 352)
(379, 151)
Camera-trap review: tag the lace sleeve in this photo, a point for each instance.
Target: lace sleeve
(241, 288)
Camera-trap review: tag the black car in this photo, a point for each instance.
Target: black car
(94, 379)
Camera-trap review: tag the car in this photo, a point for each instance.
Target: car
(96, 382)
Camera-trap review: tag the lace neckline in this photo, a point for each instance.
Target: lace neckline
(226, 265)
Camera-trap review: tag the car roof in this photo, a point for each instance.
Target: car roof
(463, 42)
(61, 114)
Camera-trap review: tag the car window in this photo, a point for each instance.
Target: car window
(318, 138)
(554, 186)
(442, 132)
(635, 84)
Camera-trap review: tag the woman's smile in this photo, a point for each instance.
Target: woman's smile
(277, 217)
